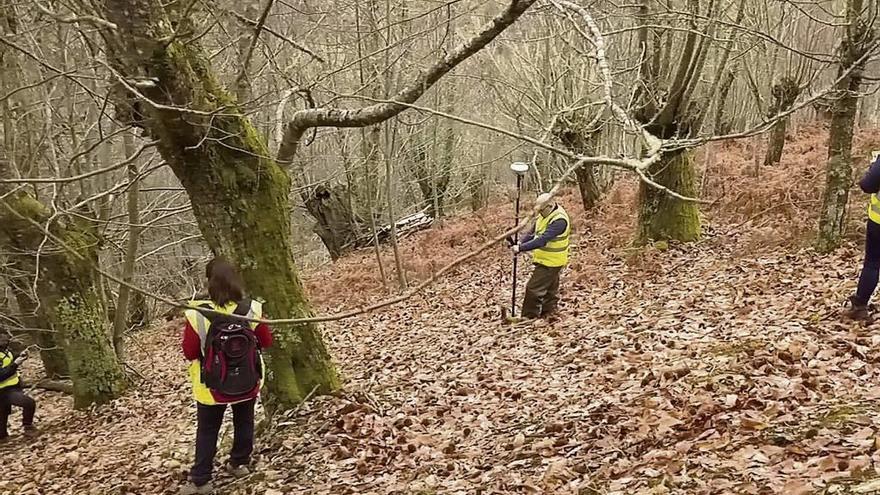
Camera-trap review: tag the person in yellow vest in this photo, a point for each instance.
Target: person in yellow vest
(870, 274)
(548, 242)
(226, 368)
(11, 393)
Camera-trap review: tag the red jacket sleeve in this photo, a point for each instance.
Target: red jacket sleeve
(192, 347)
(264, 335)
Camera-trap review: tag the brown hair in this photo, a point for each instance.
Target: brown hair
(224, 282)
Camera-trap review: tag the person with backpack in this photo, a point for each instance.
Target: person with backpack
(226, 369)
(11, 393)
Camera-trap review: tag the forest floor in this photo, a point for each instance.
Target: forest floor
(722, 366)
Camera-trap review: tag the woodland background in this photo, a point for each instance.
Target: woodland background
(706, 149)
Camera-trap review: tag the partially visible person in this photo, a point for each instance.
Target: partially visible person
(549, 244)
(858, 302)
(226, 369)
(11, 392)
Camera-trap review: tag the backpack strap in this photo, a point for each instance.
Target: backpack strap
(208, 316)
(243, 308)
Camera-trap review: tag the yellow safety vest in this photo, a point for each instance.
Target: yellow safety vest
(200, 324)
(555, 253)
(5, 363)
(874, 209)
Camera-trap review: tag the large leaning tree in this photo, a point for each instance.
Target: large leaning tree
(239, 193)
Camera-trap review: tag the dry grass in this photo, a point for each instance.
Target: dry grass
(777, 208)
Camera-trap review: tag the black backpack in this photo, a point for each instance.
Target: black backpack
(231, 362)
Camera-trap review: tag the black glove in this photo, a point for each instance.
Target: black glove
(510, 241)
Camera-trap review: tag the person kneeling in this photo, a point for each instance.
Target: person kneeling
(11, 393)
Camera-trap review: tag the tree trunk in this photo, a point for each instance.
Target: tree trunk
(776, 142)
(68, 294)
(722, 124)
(240, 196)
(589, 188)
(838, 172)
(574, 135)
(334, 219)
(785, 94)
(662, 217)
(121, 317)
(48, 341)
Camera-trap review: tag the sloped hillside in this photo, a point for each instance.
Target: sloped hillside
(717, 367)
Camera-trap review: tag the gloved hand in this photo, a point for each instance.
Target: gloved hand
(510, 241)
(515, 249)
(21, 357)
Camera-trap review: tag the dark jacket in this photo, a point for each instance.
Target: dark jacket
(870, 183)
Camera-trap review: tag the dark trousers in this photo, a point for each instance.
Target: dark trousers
(14, 396)
(542, 292)
(210, 418)
(871, 268)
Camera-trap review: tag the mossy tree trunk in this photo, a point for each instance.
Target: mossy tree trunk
(838, 170)
(67, 290)
(240, 196)
(661, 216)
(785, 93)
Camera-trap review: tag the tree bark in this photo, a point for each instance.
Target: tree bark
(662, 217)
(48, 341)
(67, 290)
(584, 141)
(785, 93)
(838, 171)
(123, 306)
(334, 217)
(240, 196)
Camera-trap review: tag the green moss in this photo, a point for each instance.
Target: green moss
(839, 415)
(247, 216)
(663, 217)
(97, 376)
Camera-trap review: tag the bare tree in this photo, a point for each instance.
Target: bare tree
(856, 43)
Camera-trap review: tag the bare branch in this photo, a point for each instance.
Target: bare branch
(280, 36)
(73, 19)
(362, 117)
(86, 175)
(242, 79)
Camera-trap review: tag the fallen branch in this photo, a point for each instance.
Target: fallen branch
(53, 386)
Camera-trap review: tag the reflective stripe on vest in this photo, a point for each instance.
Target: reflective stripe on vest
(5, 363)
(874, 209)
(200, 324)
(555, 252)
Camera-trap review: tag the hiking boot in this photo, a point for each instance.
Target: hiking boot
(237, 471)
(31, 431)
(191, 489)
(857, 310)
